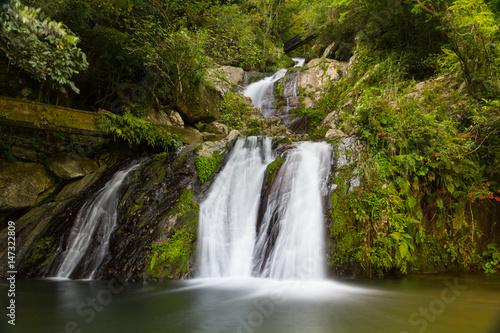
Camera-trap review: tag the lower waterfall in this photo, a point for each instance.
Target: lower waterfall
(290, 240)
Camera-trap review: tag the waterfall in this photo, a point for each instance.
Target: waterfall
(227, 216)
(98, 212)
(262, 92)
(290, 240)
(294, 215)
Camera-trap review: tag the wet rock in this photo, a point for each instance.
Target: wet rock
(21, 183)
(299, 125)
(75, 188)
(71, 165)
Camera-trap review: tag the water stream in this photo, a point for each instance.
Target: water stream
(100, 211)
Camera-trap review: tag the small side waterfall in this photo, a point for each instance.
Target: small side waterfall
(98, 212)
(290, 240)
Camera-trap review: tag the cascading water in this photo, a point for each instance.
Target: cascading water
(294, 216)
(290, 241)
(262, 93)
(98, 212)
(227, 216)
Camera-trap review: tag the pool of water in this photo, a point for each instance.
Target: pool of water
(422, 303)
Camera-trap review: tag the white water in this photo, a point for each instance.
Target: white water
(295, 207)
(261, 92)
(101, 211)
(228, 215)
(228, 245)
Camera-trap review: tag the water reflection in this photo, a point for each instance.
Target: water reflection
(421, 303)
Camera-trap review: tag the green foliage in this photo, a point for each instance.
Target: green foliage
(254, 126)
(234, 110)
(273, 168)
(185, 204)
(138, 131)
(207, 166)
(492, 257)
(43, 48)
(170, 258)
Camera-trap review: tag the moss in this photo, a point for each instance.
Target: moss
(273, 168)
(185, 204)
(171, 258)
(132, 210)
(44, 247)
(206, 166)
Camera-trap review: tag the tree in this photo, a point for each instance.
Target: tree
(44, 49)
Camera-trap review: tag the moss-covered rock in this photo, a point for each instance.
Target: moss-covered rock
(21, 184)
(202, 107)
(71, 165)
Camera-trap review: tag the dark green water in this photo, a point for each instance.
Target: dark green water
(462, 303)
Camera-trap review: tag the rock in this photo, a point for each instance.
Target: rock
(329, 51)
(309, 103)
(78, 186)
(158, 117)
(203, 106)
(215, 127)
(207, 149)
(330, 121)
(235, 75)
(29, 227)
(21, 183)
(273, 121)
(165, 117)
(24, 154)
(299, 125)
(71, 165)
(334, 133)
(176, 119)
(319, 72)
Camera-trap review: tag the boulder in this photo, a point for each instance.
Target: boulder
(334, 133)
(165, 117)
(78, 186)
(203, 106)
(235, 75)
(207, 149)
(319, 72)
(215, 127)
(21, 183)
(24, 154)
(330, 121)
(71, 165)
